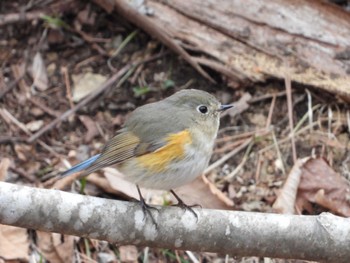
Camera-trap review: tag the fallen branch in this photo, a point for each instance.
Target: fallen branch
(325, 237)
(251, 39)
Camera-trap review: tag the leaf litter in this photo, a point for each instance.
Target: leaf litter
(321, 185)
(255, 186)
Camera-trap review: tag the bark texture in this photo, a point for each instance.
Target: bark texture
(250, 41)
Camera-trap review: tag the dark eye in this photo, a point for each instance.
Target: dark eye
(202, 109)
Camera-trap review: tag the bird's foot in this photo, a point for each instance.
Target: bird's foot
(182, 205)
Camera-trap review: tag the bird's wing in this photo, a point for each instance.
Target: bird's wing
(120, 148)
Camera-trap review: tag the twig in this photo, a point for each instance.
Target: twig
(235, 137)
(187, 84)
(230, 72)
(89, 40)
(11, 139)
(11, 86)
(320, 136)
(267, 96)
(125, 42)
(82, 103)
(269, 117)
(19, 17)
(86, 61)
(337, 128)
(258, 168)
(90, 97)
(239, 167)
(288, 84)
(42, 106)
(239, 106)
(278, 151)
(151, 46)
(192, 256)
(227, 156)
(178, 259)
(227, 147)
(309, 108)
(120, 48)
(21, 172)
(348, 119)
(8, 116)
(68, 88)
(136, 74)
(330, 119)
(126, 76)
(305, 117)
(284, 140)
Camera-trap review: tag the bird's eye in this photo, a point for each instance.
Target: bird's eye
(202, 109)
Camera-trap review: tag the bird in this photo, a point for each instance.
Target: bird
(162, 145)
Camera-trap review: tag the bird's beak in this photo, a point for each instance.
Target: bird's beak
(225, 107)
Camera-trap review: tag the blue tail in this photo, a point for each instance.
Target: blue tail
(81, 166)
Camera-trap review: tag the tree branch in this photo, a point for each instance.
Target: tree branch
(324, 237)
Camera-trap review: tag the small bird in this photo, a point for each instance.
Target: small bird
(163, 145)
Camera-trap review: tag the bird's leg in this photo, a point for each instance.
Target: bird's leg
(146, 208)
(181, 204)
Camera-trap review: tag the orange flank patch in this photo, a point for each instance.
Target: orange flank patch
(158, 160)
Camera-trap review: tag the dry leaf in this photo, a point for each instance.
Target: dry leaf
(103, 257)
(285, 201)
(322, 185)
(14, 243)
(122, 186)
(34, 126)
(201, 191)
(241, 105)
(128, 253)
(87, 16)
(4, 166)
(101, 182)
(18, 71)
(258, 119)
(53, 249)
(36, 112)
(91, 127)
(62, 183)
(23, 151)
(86, 83)
(118, 120)
(39, 72)
(204, 193)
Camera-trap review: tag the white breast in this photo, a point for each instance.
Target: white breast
(179, 172)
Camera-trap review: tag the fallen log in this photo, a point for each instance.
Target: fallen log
(250, 41)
